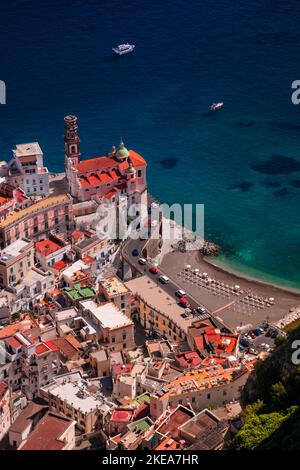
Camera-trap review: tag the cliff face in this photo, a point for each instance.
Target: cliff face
(271, 401)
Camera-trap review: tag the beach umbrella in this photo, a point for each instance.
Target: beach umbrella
(188, 266)
(204, 274)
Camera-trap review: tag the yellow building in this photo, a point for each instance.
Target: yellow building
(157, 311)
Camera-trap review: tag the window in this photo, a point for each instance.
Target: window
(139, 173)
(208, 396)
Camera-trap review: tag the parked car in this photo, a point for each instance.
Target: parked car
(271, 333)
(164, 279)
(258, 331)
(248, 338)
(135, 252)
(142, 261)
(253, 351)
(251, 334)
(153, 270)
(244, 343)
(180, 293)
(201, 309)
(184, 302)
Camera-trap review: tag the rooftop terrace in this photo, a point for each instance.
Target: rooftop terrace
(199, 380)
(107, 314)
(114, 286)
(79, 292)
(13, 250)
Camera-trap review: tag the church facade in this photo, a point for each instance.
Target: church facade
(120, 173)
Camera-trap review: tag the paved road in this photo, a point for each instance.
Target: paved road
(170, 288)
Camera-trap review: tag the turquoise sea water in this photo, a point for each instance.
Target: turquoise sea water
(242, 162)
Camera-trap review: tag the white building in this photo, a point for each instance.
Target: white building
(48, 252)
(27, 170)
(76, 398)
(116, 329)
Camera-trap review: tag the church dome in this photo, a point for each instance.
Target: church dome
(122, 151)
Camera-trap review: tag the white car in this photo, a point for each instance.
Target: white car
(142, 261)
(164, 279)
(180, 293)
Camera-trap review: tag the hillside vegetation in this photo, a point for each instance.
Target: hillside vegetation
(271, 402)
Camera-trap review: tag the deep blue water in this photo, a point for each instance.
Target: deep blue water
(242, 162)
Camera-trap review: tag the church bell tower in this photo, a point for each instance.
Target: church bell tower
(72, 141)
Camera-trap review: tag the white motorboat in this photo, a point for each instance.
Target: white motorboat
(123, 48)
(216, 106)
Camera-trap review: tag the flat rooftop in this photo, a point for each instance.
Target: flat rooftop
(34, 276)
(79, 395)
(203, 422)
(114, 286)
(66, 314)
(108, 315)
(88, 323)
(32, 148)
(46, 247)
(74, 268)
(13, 250)
(177, 418)
(159, 300)
(79, 293)
(88, 240)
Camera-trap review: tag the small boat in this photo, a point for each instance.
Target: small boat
(216, 106)
(123, 48)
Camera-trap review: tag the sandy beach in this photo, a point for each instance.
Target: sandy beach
(233, 310)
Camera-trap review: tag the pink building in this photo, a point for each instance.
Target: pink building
(10, 199)
(36, 221)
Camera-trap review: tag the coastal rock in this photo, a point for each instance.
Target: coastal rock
(210, 248)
